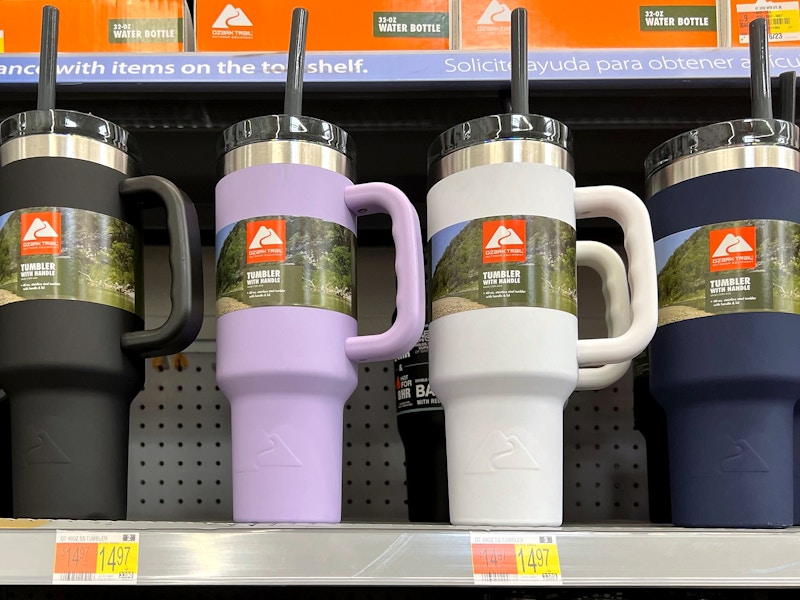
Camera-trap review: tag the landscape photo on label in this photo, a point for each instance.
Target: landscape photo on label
(545, 266)
(95, 260)
(320, 253)
(687, 281)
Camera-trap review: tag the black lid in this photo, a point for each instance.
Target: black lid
(68, 122)
(741, 132)
(500, 127)
(285, 127)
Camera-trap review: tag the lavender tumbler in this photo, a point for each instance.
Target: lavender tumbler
(287, 345)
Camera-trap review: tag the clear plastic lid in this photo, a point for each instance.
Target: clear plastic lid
(285, 127)
(742, 132)
(68, 122)
(500, 127)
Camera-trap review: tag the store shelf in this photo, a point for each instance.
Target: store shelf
(390, 70)
(381, 555)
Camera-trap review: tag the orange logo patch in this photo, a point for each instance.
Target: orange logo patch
(732, 248)
(266, 241)
(504, 241)
(40, 233)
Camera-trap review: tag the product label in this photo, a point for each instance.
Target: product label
(514, 260)
(2, 42)
(69, 254)
(144, 31)
(411, 24)
(97, 557)
(737, 266)
(285, 261)
(412, 385)
(678, 18)
(783, 20)
(512, 558)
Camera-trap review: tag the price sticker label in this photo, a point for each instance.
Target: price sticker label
(783, 20)
(509, 558)
(96, 557)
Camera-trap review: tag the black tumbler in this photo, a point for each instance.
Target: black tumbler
(71, 305)
(420, 422)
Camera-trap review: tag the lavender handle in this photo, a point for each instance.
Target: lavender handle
(369, 198)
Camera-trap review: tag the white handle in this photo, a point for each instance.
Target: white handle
(609, 266)
(627, 209)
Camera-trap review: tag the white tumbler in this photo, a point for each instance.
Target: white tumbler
(504, 348)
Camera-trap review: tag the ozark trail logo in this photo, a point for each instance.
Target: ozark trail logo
(495, 13)
(232, 22)
(732, 248)
(504, 241)
(266, 241)
(42, 233)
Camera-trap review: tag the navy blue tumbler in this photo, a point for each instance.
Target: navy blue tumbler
(725, 206)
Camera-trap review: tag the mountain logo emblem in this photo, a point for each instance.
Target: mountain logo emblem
(742, 458)
(732, 244)
(276, 453)
(231, 17)
(265, 237)
(495, 12)
(42, 450)
(732, 248)
(42, 233)
(504, 241)
(266, 241)
(501, 452)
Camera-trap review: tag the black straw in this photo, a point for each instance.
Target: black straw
(48, 59)
(293, 99)
(788, 87)
(760, 92)
(519, 61)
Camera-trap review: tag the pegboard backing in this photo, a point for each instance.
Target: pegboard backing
(179, 467)
(180, 449)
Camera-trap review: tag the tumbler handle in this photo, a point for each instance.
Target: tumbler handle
(369, 198)
(608, 264)
(627, 209)
(185, 261)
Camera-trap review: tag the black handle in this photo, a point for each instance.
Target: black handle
(185, 261)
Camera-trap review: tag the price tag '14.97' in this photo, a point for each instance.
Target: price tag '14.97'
(96, 557)
(508, 558)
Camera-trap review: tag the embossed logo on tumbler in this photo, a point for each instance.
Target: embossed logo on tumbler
(723, 202)
(504, 348)
(72, 305)
(287, 343)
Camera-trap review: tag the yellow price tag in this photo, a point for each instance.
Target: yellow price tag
(784, 21)
(2, 42)
(538, 559)
(119, 558)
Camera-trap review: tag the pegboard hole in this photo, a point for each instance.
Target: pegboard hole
(180, 388)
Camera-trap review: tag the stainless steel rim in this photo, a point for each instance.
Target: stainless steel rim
(501, 151)
(78, 147)
(296, 152)
(724, 159)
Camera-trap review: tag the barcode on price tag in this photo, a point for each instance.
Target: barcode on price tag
(783, 20)
(96, 557)
(510, 558)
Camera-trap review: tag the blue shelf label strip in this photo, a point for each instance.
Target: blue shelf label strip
(407, 67)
